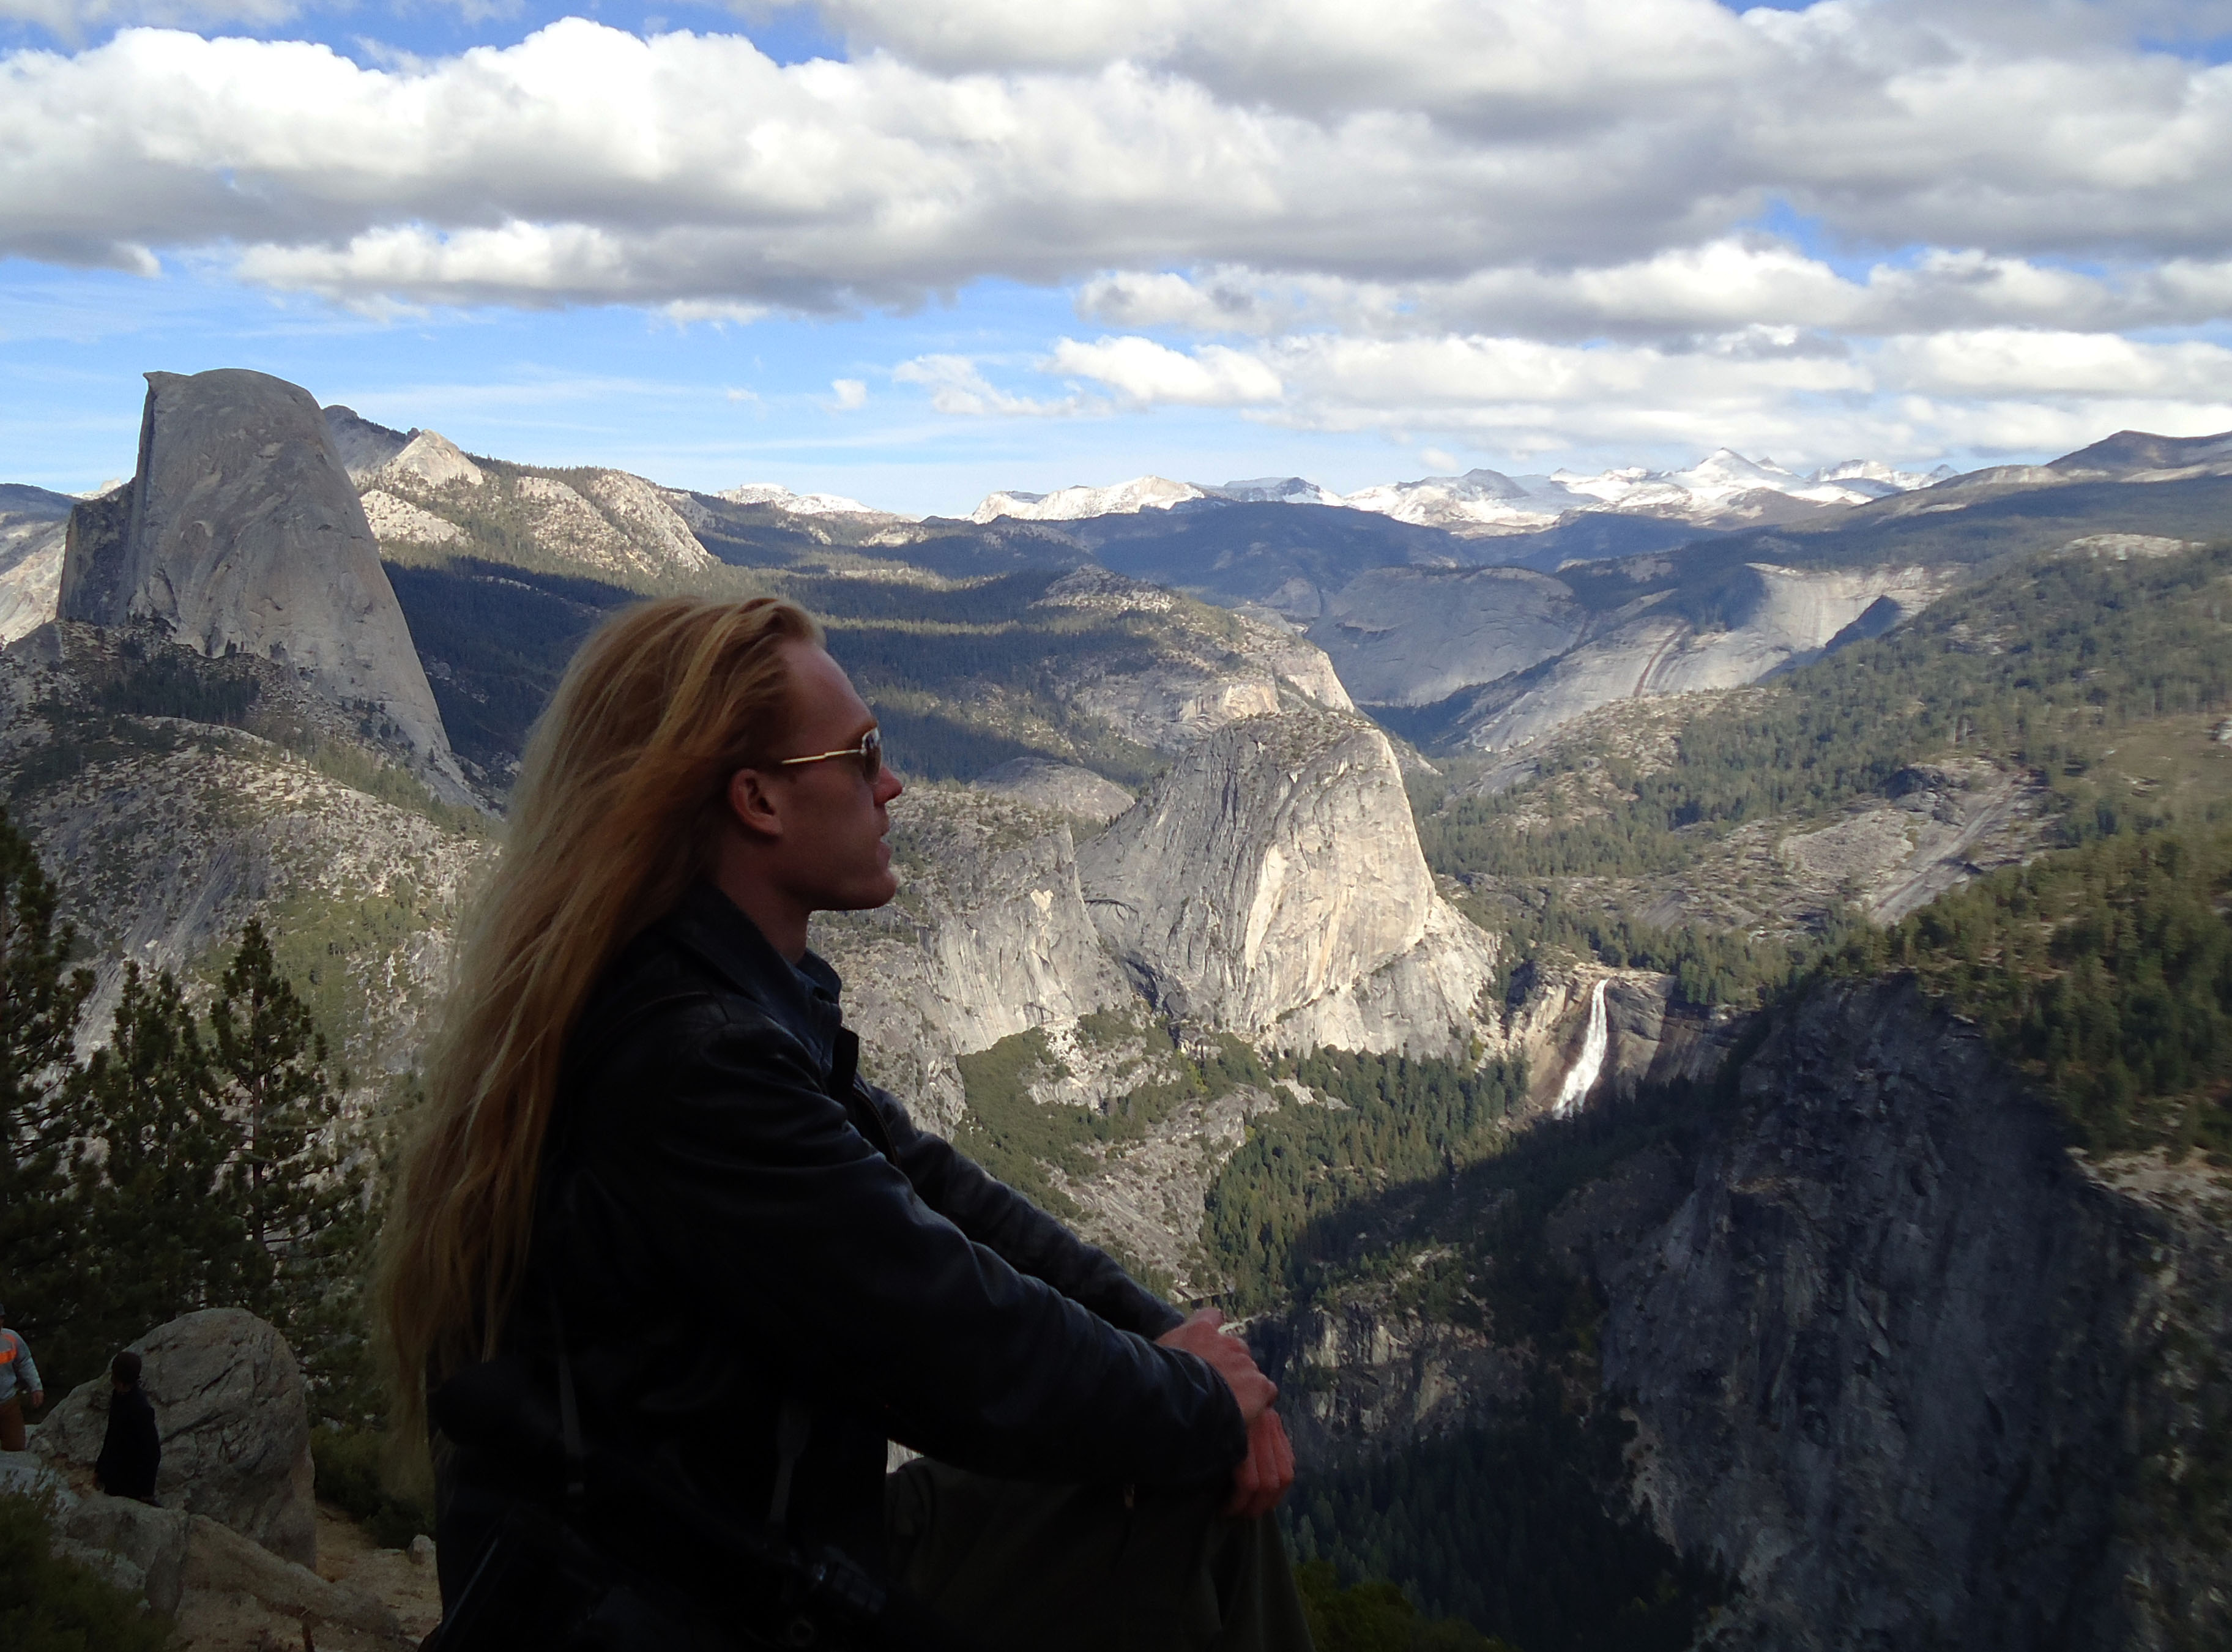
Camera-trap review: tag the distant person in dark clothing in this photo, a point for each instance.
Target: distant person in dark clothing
(132, 1450)
(17, 1375)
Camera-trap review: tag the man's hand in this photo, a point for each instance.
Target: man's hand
(1230, 1357)
(1262, 1478)
(38, 1398)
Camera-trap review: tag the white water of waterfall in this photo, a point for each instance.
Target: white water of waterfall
(1590, 1062)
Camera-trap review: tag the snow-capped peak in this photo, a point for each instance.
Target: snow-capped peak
(799, 504)
(1276, 490)
(1073, 504)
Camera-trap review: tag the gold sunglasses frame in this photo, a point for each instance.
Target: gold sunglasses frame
(870, 751)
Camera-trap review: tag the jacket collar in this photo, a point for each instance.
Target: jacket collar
(803, 997)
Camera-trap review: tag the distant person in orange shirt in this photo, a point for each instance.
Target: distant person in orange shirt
(19, 1375)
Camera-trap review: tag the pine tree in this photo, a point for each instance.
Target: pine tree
(40, 1003)
(299, 1204)
(162, 1238)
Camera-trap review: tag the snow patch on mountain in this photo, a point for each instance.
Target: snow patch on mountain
(1074, 504)
(798, 504)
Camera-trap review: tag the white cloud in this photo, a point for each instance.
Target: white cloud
(850, 394)
(1685, 292)
(1991, 389)
(74, 20)
(1464, 218)
(1142, 370)
(1429, 141)
(957, 386)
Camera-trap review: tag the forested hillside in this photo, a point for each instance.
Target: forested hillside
(2096, 680)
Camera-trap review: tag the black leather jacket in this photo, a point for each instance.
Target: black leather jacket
(728, 1216)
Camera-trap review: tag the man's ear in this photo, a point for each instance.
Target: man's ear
(754, 804)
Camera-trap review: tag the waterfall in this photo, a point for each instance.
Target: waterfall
(1589, 1063)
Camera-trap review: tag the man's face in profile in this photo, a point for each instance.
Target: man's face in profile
(832, 851)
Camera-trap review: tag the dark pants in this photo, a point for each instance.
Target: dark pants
(1024, 1568)
(11, 1425)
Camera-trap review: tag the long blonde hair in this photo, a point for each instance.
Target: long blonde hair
(612, 815)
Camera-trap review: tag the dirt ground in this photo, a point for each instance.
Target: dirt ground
(213, 1621)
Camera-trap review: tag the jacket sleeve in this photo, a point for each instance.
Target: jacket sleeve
(801, 1239)
(25, 1368)
(1028, 1240)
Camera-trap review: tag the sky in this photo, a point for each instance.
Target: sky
(914, 250)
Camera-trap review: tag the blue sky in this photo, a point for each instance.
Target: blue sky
(980, 245)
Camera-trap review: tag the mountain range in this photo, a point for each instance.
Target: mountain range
(1589, 997)
(1724, 489)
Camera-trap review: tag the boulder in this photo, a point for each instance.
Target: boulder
(235, 1422)
(144, 1548)
(220, 1560)
(242, 531)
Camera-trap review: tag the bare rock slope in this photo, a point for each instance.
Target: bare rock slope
(1909, 1371)
(242, 531)
(1272, 884)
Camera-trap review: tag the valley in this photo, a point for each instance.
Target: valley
(1264, 859)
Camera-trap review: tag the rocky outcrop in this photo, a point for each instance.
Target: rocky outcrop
(171, 835)
(33, 529)
(391, 519)
(1912, 1373)
(1357, 1373)
(1405, 636)
(364, 446)
(989, 938)
(241, 531)
(431, 459)
(1066, 788)
(1207, 670)
(1271, 884)
(1769, 619)
(235, 1423)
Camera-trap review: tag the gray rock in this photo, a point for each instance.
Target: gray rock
(989, 938)
(1412, 636)
(1901, 1363)
(1772, 620)
(1069, 788)
(242, 531)
(235, 1423)
(1271, 884)
(432, 459)
(219, 1559)
(150, 1542)
(363, 445)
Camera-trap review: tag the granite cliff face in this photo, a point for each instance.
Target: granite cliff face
(34, 527)
(241, 531)
(1909, 1370)
(1767, 619)
(989, 938)
(1271, 884)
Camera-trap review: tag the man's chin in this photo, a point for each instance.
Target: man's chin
(870, 894)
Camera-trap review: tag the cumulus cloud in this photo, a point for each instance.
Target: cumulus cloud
(1428, 141)
(849, 393)
(1431, 215)
(957, 385)
(1141, 370)
(74, 20)
(2004, 389)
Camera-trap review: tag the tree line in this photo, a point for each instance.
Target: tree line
(2039, 664)
(2104, 973)
(193, 1162)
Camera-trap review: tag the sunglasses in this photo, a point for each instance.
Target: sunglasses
(870, 751)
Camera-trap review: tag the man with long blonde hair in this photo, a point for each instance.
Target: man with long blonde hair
(656, 1210)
